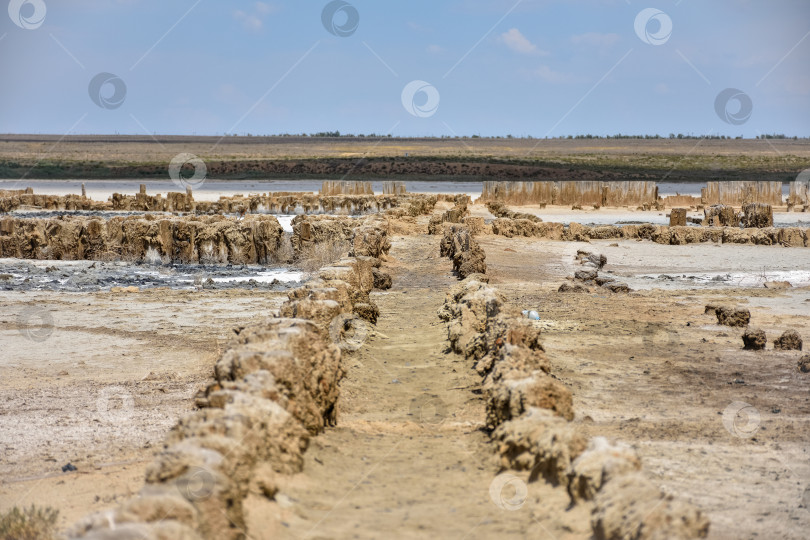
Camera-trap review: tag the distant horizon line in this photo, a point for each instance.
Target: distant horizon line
(338, 135)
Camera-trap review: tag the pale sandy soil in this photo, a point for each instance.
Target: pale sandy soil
(651, 369)
(102, 386)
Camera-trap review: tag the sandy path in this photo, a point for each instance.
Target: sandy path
(408, 458)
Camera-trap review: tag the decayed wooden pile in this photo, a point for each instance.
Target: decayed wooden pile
(394, 188)
(738, 193)
(628, 193)
(579, 193)
(591, 193)
(516, 193)
(674, 201)
(346, 187)
(799, 193)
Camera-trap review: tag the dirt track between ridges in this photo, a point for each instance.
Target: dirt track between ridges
(409, 458)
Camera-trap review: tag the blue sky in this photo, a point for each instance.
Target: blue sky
(496, 67)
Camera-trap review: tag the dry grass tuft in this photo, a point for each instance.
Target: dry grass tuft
(322, 254)
(284, 253)
(29, 523)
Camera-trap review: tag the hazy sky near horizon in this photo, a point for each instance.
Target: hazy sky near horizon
(409, 68)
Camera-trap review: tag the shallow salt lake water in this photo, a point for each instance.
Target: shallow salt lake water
(74, 276)
(285, 276)
(797, 278)
(285, 222)
(647, 265)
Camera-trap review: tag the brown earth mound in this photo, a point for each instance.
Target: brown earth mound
(456, 214)
(730, 316)
(499, 209)
(754, 339)
(660, 234)
(468, 257)
(790, 340)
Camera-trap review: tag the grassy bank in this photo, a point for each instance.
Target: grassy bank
(423, 159)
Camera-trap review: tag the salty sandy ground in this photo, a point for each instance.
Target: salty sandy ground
(101, 387)
(408, 457)
(651, 369)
